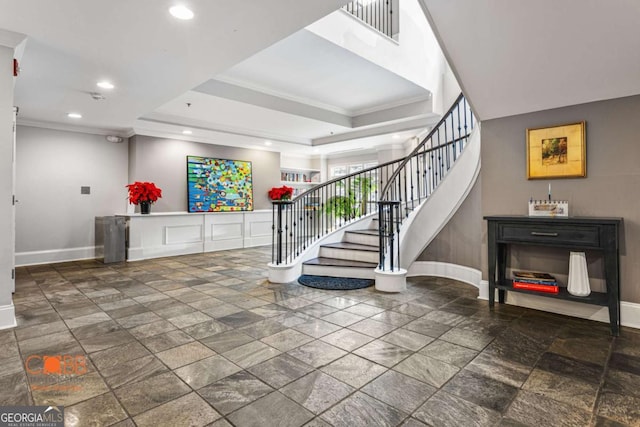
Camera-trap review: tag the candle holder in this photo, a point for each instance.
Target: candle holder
(549, 208)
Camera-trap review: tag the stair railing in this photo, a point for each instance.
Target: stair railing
(299, 222)
(375, 13)
(405, 183)
(418, 175)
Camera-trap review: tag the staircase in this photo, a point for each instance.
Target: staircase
(317, 233)
(355, 256)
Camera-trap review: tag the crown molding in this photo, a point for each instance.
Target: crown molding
(126, 133)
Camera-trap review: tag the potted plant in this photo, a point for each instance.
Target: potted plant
(281, 193)
(143, 194)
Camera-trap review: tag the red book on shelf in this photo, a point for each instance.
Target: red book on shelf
(536, 287)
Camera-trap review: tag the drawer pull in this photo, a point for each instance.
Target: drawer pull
(539, 233)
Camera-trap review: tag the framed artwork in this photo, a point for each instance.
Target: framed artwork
(557, 152)
(219, 185)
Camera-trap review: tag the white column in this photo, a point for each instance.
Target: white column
(7, 219)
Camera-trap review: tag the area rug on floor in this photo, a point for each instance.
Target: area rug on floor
(337, 283)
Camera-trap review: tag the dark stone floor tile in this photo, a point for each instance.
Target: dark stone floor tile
(316, 328)
(481, 390)
(360, 409)
(445, 410)
(143, 395)
(625, 362)
(426, 369)
(317, 353)
(373, 328)
(400, 391)
(427, 327)
(134, 370)
(517, 347)
(103, 410)
(151, 329)
(251, 354)
(189, 410)
(606, 422)
(467, 338)
(503, 370)
(449, 353)
(573, 368)
(14, 389)
(621, 408)
(206, 371)
(536, 410)
(287, 340)
(184, 354)
(234, 391)
(104, 341)
(317, 391)
(574, 347)
(383, 353)
(280, 370)
(622, 382)
(115, 356)
(263, 328)
(580, 394)
(206, 329)
(408, 339)
(240, 319)
(275, 407)
(161, 342)
(353, 370)
(226, 341)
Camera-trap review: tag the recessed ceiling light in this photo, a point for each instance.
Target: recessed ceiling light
(181, 12)
(187, 132)
(316, 150)
(105, 85)
(396, 136)
(267, 143)
(74, 115)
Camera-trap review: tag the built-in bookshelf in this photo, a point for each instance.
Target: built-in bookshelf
(300, 179)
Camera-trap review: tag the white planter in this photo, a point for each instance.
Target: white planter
(391, 281)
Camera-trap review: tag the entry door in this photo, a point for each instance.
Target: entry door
(13, 209)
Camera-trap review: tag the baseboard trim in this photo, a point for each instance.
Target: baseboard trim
(7, 316)
(54, 255)
(443, 269)
(629, 311)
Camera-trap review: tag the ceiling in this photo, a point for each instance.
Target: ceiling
(237, 74)
(515, 57)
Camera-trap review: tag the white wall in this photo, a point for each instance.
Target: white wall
(416, 56)
(6, 185)
(54, 222)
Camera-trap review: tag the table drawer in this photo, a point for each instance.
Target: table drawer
(564, 235)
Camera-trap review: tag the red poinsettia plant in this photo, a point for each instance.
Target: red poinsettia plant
(143, 192)
(281, 193)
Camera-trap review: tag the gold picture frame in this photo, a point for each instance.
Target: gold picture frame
(557, 152)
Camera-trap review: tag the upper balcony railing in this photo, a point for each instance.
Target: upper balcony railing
(376, 13)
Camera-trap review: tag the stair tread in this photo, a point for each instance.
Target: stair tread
(335, 262)
(352, 246)
(367, 231)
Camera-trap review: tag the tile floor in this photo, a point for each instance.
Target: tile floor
(206, 340)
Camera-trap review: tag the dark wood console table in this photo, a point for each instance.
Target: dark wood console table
(600, 234)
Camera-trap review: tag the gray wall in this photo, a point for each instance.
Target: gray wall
(51, 167)
(164, 162)
(460, 240)
(610, 189)
(6, 175)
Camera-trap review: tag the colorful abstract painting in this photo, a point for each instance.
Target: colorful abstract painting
(219, 185)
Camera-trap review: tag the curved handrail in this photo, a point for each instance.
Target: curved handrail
(420, 146)
(418, 175)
